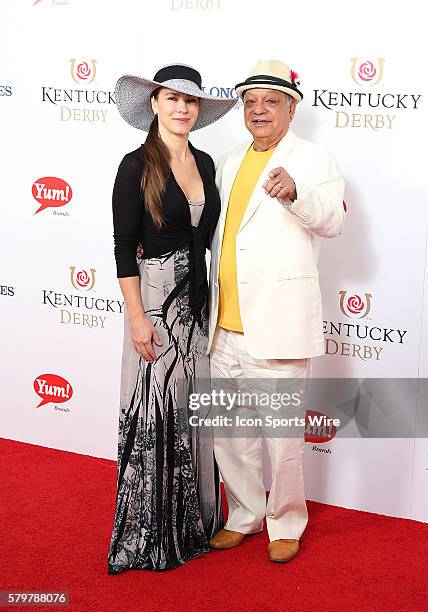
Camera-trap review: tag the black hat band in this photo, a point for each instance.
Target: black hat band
(174, 72)
(266, 79)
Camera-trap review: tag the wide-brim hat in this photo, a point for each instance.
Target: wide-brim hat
(271, 74)
(133, 95)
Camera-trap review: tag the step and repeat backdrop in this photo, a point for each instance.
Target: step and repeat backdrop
(364, 83)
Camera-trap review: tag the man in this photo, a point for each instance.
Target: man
(280, 195)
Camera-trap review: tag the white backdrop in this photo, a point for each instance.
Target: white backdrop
(60, 302)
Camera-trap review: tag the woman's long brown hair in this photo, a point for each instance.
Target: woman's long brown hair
(156, 171)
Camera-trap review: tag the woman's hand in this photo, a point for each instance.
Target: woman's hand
(142, 334)
(140, 251)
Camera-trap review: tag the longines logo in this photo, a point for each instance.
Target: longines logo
(83, 72)
(223, 92)
(355, 305)
(366, 107)
(52, 192)
(82, 309)
(358, 307)
(6, 290)
(5, 90)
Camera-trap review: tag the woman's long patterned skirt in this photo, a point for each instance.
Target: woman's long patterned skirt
(168, 502)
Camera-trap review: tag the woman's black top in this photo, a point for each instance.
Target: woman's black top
(133, 224)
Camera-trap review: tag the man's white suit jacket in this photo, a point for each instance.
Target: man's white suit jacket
(277, 248)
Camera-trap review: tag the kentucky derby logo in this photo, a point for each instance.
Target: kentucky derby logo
(81, 306)
(355, 305)
(82, 279)
(79, 103)
(366, 72)
(82, 72)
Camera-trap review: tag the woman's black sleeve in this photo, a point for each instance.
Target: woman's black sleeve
(127, 215)
(213, 227)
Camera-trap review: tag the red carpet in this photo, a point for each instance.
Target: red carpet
(56, 515)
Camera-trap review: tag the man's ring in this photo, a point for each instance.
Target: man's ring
(280, 185)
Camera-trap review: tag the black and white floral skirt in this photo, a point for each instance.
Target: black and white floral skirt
(168, 502)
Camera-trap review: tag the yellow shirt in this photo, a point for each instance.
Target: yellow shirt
(246, 178)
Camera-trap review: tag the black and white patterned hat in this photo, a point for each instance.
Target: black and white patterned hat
(133, 96)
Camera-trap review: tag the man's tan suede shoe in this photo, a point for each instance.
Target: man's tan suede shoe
(226, 538)
(283, 550)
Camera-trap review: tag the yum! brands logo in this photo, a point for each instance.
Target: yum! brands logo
(368, 107)
(319, 428)
(82, 306)
(355, 339)
(203, 5)
(53, 389)
(367, 72)
(78, 103)
(51, 192)
(55, 3)
(82, 279)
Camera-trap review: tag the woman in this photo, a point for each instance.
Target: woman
(168, 502)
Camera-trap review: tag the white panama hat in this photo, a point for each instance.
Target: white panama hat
(133, 95)
(271, 74)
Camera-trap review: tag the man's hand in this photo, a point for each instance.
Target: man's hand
(280, 185)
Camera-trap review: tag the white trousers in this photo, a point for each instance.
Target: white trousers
(240, 458)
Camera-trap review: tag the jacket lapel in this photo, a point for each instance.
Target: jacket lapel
(283, 148)
(230, 169)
